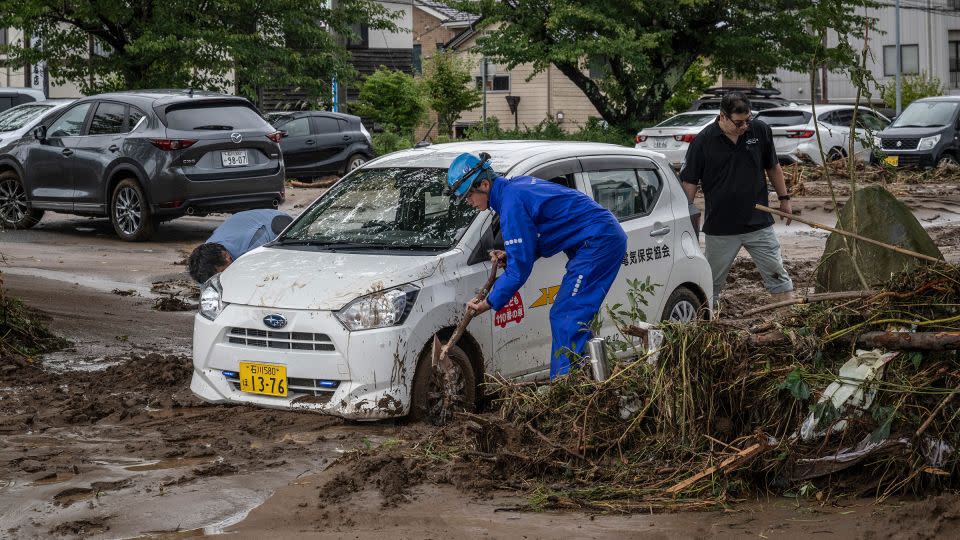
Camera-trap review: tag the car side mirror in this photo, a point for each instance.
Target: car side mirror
(284, 134)
(40, 133)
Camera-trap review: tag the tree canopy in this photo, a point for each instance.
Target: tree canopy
(647, 46)
(391, 98)
(449, 89)
(104, 45)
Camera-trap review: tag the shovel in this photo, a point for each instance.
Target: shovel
(441, 354)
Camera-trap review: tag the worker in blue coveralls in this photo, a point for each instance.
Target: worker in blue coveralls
(238, 234)
(539, 218)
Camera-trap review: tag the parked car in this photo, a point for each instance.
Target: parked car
(11, 97)
(924, 135)
(337, 315)
(320, 142)
(144, 157)
(795, 134)
(673, 136)
(18, 122)
(760, 98)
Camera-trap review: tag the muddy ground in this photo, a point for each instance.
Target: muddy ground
(105, 440)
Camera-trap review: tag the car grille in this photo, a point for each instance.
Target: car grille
(905, 143)
(297, 387)
(297, 341)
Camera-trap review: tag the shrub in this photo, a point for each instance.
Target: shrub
(912, 88)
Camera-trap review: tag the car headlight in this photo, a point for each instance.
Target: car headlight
(211, 298)
(927, 143)
(380, 309)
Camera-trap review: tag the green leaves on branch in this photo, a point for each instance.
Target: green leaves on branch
(393, 99)
(912, 88)
(213, 45)
(447, 83)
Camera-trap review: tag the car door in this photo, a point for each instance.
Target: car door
(98, 147)
(843, 120)
(868, 125)
(521, 330)
(299, 146)
(48, 164)
(634, 190)
(330, 143)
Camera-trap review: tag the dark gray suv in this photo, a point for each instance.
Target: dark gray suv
(141, 158)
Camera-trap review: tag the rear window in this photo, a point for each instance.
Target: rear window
(784, 118)
(214, 117)
(688, 120)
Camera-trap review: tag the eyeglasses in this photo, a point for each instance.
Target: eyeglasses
(738, 123)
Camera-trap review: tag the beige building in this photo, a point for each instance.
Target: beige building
(549, 94)
(22, 76)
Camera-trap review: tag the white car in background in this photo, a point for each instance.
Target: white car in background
(339, 313)
(673, 136)
(16, 122)
(795, 134)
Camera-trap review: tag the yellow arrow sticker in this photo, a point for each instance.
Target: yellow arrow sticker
(546, 296)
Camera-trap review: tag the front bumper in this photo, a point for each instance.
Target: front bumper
(358, 375)
(923, 159)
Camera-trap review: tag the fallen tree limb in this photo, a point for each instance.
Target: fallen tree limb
(815, 225)
(725, 466)
(923, 427)
(809, 298)
(894, 341)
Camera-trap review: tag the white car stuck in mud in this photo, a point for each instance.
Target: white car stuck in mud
(338, 314)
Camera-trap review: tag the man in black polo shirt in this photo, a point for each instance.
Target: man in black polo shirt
(728, 160)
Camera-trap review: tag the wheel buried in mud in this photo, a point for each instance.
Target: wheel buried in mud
(426, 402)
(15, 211)
(683, 306)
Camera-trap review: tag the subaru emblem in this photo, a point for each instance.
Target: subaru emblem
(275, 321)
(236, 137)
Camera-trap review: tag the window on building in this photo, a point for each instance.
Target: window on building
(495, 83)
(360, 38)
(954, 48)
(99, 48)
(3, 36)
(418, 58)
(909, 60)
(599, 67)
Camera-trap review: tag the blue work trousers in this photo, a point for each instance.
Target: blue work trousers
(590, 273)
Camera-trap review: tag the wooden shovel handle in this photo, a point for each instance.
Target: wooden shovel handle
(482, 295)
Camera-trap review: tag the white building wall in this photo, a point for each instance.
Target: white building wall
(928, 28)
(402, 38)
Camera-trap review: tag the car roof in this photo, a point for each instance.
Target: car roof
(809, 108)
(163, 96)
(36, 94)
(340, 115)
(505, 155)
(952, 99)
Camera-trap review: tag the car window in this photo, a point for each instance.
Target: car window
(297, 127)
(396, 207)
(868, 120)
(5, 103)
(18, 117)
(626, 193)
(784, 118)
(325, 124)
(213, 117)
(843, 118)
(687, 120)
(108, 119)
(70, 124)
(136, 115)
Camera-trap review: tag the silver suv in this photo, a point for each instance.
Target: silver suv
(141, 158)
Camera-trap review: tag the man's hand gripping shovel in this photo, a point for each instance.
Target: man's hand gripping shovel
(442, 365)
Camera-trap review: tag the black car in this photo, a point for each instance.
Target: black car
(141, 158)
(316, 143)
(926, 134)
(760, 98)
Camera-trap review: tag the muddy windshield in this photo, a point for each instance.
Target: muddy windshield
(926, 114)
(391, 208)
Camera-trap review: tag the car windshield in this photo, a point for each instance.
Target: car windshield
(784, 118)
(388, 208)
(926, 114)
(18, 117)
(687, 120)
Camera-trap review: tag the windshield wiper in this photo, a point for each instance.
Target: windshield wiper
(214, 127)
(334, 245)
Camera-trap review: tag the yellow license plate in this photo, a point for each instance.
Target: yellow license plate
(266, 379)
(892, 160)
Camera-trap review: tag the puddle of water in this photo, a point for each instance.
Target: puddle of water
(52, 478)
(100, 284)
(72, 495)
(173, 463)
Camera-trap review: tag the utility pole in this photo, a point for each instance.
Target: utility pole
(896, 26)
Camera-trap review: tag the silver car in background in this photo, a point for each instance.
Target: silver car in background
(673, 136)
(15, 123)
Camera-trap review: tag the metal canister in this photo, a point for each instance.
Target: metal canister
(598, 359)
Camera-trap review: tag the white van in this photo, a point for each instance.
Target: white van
(338, 314)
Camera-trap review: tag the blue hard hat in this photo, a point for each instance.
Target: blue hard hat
(466, 170)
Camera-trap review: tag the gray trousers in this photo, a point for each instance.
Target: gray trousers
(764, 249)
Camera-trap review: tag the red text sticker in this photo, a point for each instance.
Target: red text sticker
(512, 312)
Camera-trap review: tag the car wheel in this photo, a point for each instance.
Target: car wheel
(355, 162)
(130, 212)
(947, 160)
(15, 211)
(426, 401)
(682, 306)
(834, 154)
